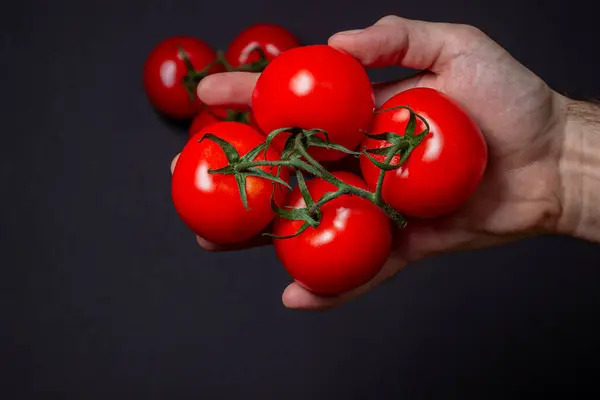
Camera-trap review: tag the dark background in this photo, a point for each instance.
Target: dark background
(105, 294)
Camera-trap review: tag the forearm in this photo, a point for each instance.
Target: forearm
(580, 171)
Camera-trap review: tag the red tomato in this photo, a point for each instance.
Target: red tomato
(165, 70)
(444, 170)
(313, 87)
(212, 114)
(346, 250)
(206, 117)
(210, 204)
(270, 38)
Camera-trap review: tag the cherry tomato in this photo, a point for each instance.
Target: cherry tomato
(164, 72)
(444, 170)
(207, 116)
(210, 204)
(312, 87)
(346, 250)
(270, 38)
(212, 114)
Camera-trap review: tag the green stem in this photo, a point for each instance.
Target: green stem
(344, 188)
(297, 157)
(281, 163)
(330, 196)
(256, 66)
(380, 179)
(221, 58)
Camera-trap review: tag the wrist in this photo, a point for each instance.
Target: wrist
(579, 169)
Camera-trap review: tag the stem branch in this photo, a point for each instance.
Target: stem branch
(297, 157)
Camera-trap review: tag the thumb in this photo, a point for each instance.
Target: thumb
(409, 43)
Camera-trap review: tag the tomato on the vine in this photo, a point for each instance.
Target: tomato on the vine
(165, 70)
(347, 249)
(315, 87)
(272, 39)
(211, 204)
(444, 170)
(207, 116)
(212, 114)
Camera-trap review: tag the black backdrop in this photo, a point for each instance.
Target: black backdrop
(106, 295)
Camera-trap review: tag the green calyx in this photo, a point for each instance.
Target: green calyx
(401, 146)
(295, 155)
(193, 77)
(243, 167)
(256, 66)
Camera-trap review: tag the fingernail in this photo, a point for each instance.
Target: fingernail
(350, 32)
(203, 85)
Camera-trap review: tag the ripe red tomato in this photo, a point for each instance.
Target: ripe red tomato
(270, 38)
(165, 70)
(206, 117)
(313, 87)
(212, 114)
(346, 250)
(444, 170)
(210, 204)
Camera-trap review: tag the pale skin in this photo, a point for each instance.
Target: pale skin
(543, 175)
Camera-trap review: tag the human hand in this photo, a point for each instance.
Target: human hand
(521, 117)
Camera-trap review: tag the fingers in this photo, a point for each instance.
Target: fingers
(295, 296)
(174, 162)
(409, 43)
(228, 88)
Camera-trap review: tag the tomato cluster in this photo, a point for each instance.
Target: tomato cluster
(176, 65)
(420, 155)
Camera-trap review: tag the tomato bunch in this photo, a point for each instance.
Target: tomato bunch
(175, 66)
(420, 156)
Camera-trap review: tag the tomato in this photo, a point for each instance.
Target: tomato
(270, 38)
(165, 70)
(206, 117)
(313, 87)
(346, 250)
(444, 170)
(212, 114)
(210, 204)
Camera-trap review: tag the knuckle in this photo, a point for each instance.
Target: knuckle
(469, 32)
(465, 39)
(388, 19)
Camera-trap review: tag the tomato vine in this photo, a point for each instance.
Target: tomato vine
(296, 156)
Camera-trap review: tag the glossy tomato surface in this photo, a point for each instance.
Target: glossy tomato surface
(444, 170)
(165, 70)
(272, 39)
(312, 87)
(210, 204)
(212, 114)
(346, 250)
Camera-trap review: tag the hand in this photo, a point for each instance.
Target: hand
(522, 119)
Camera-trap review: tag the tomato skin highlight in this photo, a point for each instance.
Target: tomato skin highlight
(165, 69)
(311, 87)
(210, 204)
(213, 114)
(272, 39)
(444, 170)
(346, 250)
